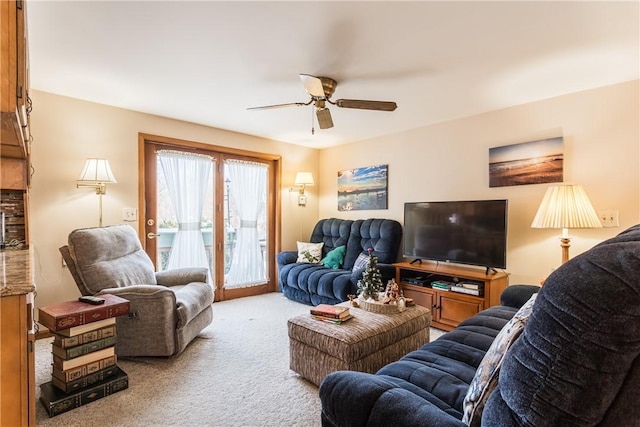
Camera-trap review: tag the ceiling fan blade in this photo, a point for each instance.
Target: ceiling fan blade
(366, 105)
(324, 118)
(313, 85)
(270, 107)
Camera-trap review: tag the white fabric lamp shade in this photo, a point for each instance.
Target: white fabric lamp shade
(566, 206)
(97, 170)
(304, 178)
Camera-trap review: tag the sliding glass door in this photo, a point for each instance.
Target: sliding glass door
(206, 208)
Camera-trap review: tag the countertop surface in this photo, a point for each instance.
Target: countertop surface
(16, 272)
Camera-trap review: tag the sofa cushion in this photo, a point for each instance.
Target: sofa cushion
(383, 236)
(486, 377)
(334, 258)
(333, 232)
(309, 252)
(574, 363)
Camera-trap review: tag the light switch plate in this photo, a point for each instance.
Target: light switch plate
(610, 218)
(129, 214)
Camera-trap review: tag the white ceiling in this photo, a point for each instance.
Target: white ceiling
(206, 62)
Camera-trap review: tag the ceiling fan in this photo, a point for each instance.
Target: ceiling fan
(320, 89)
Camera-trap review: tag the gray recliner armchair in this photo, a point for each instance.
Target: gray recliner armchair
(168, 308)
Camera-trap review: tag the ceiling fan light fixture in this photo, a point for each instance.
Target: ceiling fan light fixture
(324, 118)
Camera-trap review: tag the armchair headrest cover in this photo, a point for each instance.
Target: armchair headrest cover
(110, 257)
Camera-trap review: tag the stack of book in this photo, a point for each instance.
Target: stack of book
(441, 285)
(83, 353)
(331, 313)
(469, 288)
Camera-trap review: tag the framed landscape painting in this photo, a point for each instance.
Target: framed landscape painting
(534, 162)
(363, 188)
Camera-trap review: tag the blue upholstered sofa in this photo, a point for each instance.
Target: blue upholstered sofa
(576, 362)
(315, 284)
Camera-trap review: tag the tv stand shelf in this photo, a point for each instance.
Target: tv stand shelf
(449, 308)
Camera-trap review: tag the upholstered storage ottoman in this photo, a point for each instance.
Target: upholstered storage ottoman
(365, 343)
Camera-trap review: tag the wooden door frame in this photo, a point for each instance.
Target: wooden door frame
(274, 233)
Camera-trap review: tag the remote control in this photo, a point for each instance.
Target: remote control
(92, 300)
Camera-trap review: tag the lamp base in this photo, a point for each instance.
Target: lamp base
(565, 242)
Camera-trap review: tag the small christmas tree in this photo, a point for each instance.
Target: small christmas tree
(371, 283)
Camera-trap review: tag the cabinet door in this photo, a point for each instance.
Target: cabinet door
(14, 358)
(453, 309)
(422, 297)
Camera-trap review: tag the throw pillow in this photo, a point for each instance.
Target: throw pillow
(310, 252)
(361, 261)
(335, 257)
(486, 377)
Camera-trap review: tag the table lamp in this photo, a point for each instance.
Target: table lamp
(565, 207)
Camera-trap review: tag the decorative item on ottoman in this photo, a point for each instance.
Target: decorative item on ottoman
(365, 343)
(371, 283)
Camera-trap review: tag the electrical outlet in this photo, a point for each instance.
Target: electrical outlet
(610, 218)
(129, 214)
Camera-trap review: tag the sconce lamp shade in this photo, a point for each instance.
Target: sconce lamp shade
(97, 171)
(566, 206)
(304, 178)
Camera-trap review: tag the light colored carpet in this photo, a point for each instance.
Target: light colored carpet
(236, 373)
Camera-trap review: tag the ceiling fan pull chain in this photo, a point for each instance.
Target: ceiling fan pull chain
(313, 131)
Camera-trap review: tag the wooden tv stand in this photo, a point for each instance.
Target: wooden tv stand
(449, 308)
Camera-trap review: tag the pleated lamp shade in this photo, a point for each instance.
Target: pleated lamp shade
(566, 206)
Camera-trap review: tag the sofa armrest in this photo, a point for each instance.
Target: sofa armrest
(147, 298)
(351, 399)
(181, 276)
(286, 257)
(516, 295)
(150, 327)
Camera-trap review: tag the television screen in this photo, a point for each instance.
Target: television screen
(463, 232)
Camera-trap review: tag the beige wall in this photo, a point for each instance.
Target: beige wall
(446, 161)
(67, 131)
(449, 161)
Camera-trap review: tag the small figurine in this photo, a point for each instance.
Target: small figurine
(391, 294)
(352, 300)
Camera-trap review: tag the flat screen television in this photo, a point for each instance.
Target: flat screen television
(461, 232)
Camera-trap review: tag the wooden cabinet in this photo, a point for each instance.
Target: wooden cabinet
(14, 74)
(15, 137)
(17, 361)
(449, 308)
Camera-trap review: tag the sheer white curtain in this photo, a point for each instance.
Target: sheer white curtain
(248, 188)
(187, 176)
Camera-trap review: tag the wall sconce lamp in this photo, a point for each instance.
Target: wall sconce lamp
(566, 206)
(303, 179)
(97, 174)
